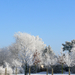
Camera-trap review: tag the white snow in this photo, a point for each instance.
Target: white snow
(41, 73)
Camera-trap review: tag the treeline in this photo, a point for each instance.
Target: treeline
(29, 51)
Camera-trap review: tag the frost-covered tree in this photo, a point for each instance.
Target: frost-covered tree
(61, 59)
(29, 41)
(25, 57)
(50, 61)
(69, 60)
(17, 65)
(25, 46)
(2, 70)
(36, 60)
(9, 69)
(72, 55)
(48, 57)
(5, 56)
(47, 52)
(14, 49)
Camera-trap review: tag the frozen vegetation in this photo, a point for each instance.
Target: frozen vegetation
(29, 55)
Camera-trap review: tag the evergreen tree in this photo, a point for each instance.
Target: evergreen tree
(68, 45)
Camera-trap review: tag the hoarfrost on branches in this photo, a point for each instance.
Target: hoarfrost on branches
(29, 42)
(5, 56)
(48, 57)
(9, 69)
(61, 58)
(69, 59)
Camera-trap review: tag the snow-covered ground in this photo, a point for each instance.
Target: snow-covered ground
(41, 73)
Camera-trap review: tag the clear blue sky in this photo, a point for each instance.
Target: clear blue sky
(52, 20)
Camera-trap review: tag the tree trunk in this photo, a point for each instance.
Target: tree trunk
(5, 71)
(47, 70)
(29, 70)
(16, 71)
(62, 68)
(52, 71)
(26, 69)
(35, 68)
(69, 70)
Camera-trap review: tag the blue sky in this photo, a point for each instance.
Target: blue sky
(52, 20)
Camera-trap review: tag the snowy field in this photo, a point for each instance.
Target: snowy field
(44, 73)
